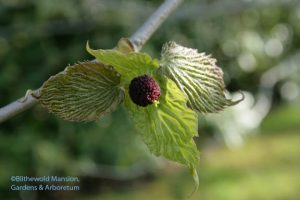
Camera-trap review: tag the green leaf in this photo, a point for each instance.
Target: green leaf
(129, 65)
(82, 92)
(197, 75)
(168, 128)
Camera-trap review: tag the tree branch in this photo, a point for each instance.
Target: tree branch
(139, 38)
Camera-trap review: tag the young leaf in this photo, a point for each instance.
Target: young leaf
(168, 127)
(197, 75)
(82, 92)
(129, 65)
(125, 46)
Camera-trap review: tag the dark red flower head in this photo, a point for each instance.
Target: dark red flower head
(144, 90)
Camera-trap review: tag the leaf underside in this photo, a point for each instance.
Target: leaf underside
(168, 128)
(82, 92)
(197, 75)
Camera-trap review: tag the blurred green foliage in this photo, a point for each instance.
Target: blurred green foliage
(39, 38)
(252, 172)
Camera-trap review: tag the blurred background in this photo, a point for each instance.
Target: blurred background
(250, 151)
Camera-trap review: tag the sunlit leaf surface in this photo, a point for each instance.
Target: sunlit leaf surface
(129, 65)
(168, 128)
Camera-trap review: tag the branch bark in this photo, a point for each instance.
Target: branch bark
(139, 38)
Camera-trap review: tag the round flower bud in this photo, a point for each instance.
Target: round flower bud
(144, 90)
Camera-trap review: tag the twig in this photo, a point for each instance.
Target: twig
(139, 38)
